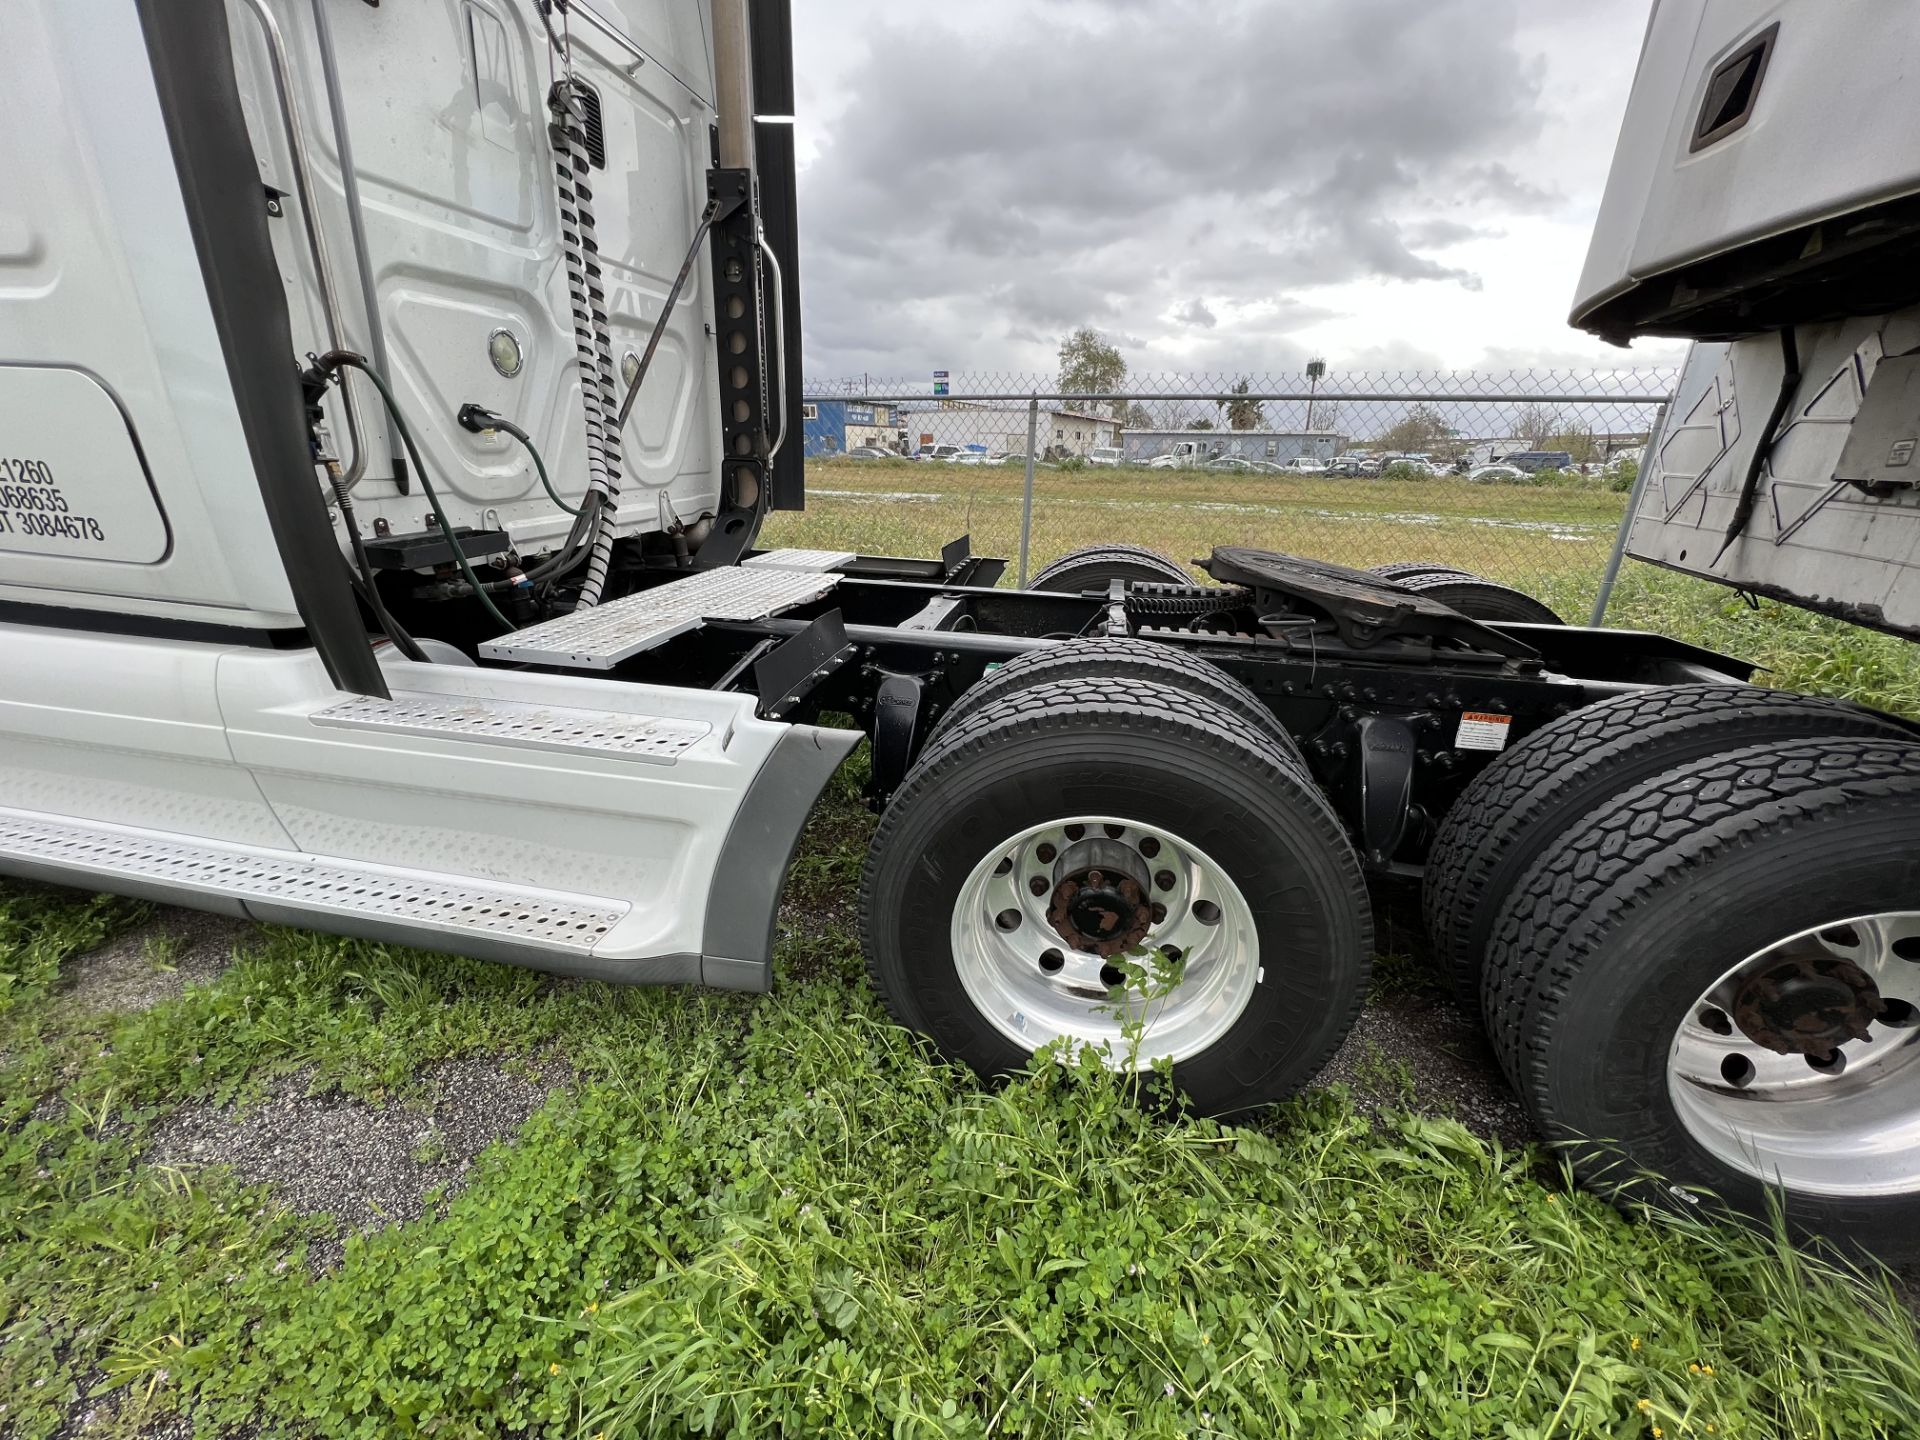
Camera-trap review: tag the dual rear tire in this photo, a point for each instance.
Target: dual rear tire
(1126, 866)
(1686, 918)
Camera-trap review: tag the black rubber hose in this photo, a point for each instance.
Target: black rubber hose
(392, 628)
(539, 465)
(333, 360)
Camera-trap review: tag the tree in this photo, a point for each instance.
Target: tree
(1534, 424)
(1582, 445)
(1327, 415)
(1201, 425)
(1421, 428)
(1090, 366)
(1138, 418)
(1244, 414)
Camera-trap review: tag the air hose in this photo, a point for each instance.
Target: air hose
(479, 419)
(335, 359)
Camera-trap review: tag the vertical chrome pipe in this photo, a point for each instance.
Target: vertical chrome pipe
(316, 235)
(356, 221)
(733, 82)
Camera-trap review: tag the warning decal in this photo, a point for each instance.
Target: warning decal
(1480, 731)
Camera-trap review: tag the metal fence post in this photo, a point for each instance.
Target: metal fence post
(1619, 554)
(1026, 501)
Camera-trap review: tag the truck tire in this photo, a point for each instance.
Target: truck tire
(1678, 985)
(1406, 569)
(1145, 817)
(1479, 599)
(1537, 791)
(1095, 566)
(1119, 662)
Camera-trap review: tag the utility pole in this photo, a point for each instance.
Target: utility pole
(1315, 369)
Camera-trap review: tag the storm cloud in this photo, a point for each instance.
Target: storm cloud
(1198, 176)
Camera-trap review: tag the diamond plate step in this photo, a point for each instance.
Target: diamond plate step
(802, 559)
(546, 919)
(651, 739)
(600, 638)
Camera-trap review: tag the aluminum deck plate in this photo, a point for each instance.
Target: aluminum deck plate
(801, 559)
(600, 638)
(545, 918)
(651, 739)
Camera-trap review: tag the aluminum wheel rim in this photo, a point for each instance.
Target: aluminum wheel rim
(1847, 1127)
(1034, 986)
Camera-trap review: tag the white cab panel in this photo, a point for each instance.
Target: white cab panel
(595, 821)
(445, 104)
(100, 282)
(1811, 540)
(123, 731)
(1828, 133)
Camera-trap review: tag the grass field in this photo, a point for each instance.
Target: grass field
(718, 1214)
(1515, 534)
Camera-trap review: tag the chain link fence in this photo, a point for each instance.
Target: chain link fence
(1522, 477)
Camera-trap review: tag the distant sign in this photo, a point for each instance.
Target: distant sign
(940, 383)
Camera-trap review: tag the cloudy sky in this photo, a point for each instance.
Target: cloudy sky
(1218, 185)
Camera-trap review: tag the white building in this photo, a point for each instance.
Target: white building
(1001, 428)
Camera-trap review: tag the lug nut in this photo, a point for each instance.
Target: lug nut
(1039, 885)
(1164, 879)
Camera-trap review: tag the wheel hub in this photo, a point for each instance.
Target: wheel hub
(1041, 923)
(1100, 912)
(1800, 1066)
(1807, 1005)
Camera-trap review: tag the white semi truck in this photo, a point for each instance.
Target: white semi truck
(390, 398)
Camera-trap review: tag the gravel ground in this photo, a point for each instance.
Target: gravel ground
(365, 1166)
(1418, 1050)
(1414, 1048)
(154, 962)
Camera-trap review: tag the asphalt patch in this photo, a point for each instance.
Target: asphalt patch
(154, 962)
(366, 1166)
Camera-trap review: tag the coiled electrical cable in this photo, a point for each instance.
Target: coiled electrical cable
(593, 340)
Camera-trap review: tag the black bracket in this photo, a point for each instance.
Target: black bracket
(786, 676)
(954, 554)
(741, 351)
(896, 732)
(427, 548)
(1383, 775)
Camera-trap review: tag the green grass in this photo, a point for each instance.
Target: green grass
(781, 1216)
(1523, 535)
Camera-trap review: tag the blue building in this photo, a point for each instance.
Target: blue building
(836, 426)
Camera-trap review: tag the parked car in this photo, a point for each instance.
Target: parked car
(1307, 465)
(1351, 466)
(870, 452)
(1229, 462)
(1106, 456)
(938, 452)
(1496, 475)
(1533, 461)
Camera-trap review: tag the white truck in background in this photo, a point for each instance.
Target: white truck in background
(390, 399)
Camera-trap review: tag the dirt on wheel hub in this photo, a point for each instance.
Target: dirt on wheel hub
(1807, 1005)
(1100, 912)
